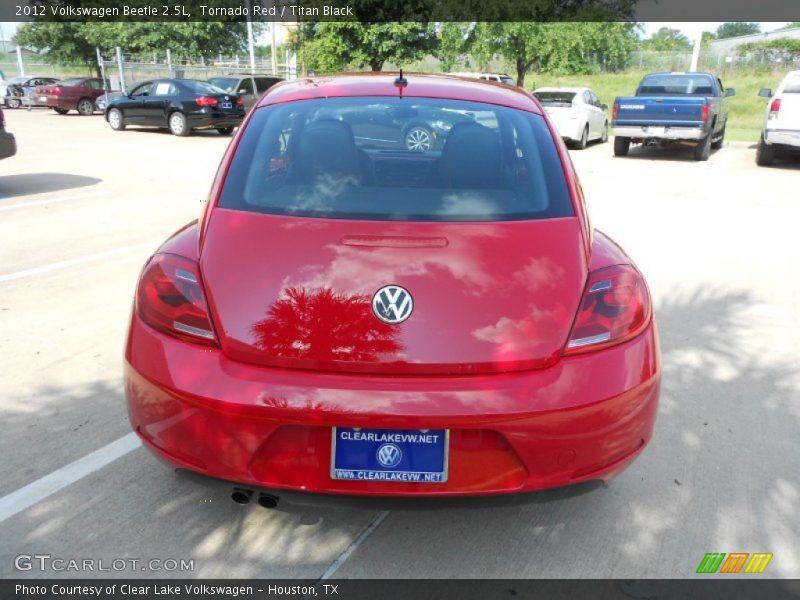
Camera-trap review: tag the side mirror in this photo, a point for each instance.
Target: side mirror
(730, 92)
(604, 106)
(765, 93)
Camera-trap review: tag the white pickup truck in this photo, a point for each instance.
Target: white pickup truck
(781, 132)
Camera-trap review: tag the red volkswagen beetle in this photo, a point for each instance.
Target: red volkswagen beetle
(356, 317)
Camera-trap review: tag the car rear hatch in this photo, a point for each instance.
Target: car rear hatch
(788, 115)
(298, 292)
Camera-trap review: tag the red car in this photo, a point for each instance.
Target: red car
(357, 320)
(71, 94)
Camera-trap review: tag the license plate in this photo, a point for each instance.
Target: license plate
(656, 130)
(392, 455)
(42, 98)
(226, 105)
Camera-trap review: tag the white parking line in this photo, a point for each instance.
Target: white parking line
(4, 208)
(25, 497)
(365, 533)
(76, 261)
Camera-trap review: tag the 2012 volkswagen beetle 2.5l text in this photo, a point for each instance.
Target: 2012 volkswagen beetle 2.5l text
(357, 317)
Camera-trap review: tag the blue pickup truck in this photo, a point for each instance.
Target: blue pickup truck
(673, 108)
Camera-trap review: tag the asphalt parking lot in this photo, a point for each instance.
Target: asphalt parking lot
(82, 207)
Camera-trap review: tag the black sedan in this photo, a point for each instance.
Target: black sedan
(180, 105)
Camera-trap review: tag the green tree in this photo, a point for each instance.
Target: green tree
(666, 39)
(736, 28)
(556, 47)
(455, 40)
(330, 47)
(75, 43)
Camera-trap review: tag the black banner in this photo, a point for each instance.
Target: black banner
(397, 10)
(732, 587)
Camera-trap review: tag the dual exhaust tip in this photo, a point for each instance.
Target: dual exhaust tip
(244, 496)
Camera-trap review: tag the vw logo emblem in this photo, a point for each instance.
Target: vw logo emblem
(392, 304)
(389, 456)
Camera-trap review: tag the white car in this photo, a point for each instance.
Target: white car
(577, 113)
(501, 77)
(781, 132)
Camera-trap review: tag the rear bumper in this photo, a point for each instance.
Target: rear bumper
(8, 145)
(213, 121)
(783, 137)
(584, 419)
(670, 133)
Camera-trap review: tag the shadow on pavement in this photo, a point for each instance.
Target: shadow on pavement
(39, 183)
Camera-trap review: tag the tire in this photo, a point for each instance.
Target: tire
(765, 154)
(225, 130)
(703, 150)
(718, 144)
(13, 102)
(85, 107)
(621, 146)
(115, 119)
(581, 143)
(178, 124)
(604, 137)
(419, 139)
(61, 111)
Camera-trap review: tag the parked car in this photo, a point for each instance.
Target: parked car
(673, 108)
(102, 100)
(500, 77)
(412, 126)
(70, 94)
(781, 131)
(577, 113)
(361, 321)
(249, 87)
(8, 145)
(20, 90)
(180, 105)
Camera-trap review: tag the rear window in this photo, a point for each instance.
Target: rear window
(792, 85)
(676, 85)
(555, 98)
(397, 159)
(71, 82)
(201, 87)
(224, 83)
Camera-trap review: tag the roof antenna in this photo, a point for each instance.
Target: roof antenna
(400, 82)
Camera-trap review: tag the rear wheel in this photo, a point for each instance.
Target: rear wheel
(581, 143)
(717, 144)
(419, 138)
(178, 124)
(225, 130)
(61, 111)
(621, 146)
(765, 155)
(85, 107)
(703, 150)
(115, 119)
(604, 137)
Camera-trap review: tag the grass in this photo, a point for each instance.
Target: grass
(746, 107)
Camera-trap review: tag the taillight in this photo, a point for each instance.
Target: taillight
(57, 91)
(170, 298)
(614, 112)
(615, 308)
(240, 101)
(775, 108)
(206, 101)
(705, 113)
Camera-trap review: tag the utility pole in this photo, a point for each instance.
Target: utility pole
(698, 43)
(20, 64)
(251, 47)
(274, 52)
